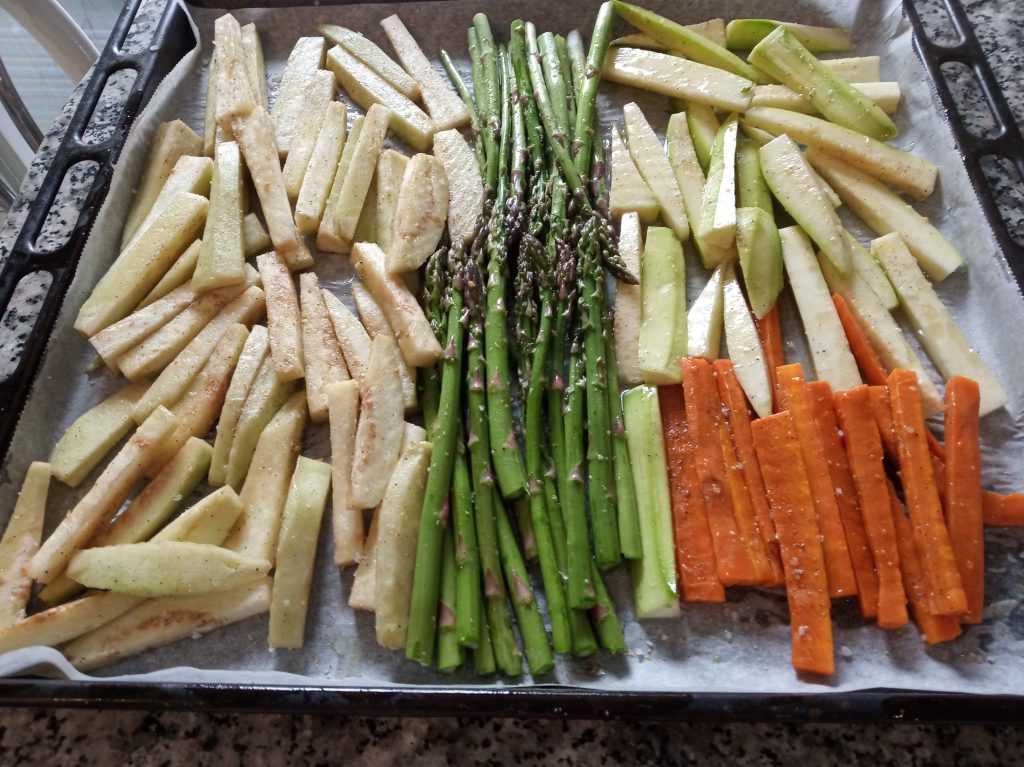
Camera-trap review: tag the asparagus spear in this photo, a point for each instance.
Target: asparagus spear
(449, 650)
(467, 560)
(426, 580)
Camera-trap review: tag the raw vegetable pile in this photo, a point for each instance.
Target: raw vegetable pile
(484, 311)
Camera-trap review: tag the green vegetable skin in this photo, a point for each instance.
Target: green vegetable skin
(757, 240)
(744, 34)
(676, 37)
(783, 57)
(718, 203)
(654, 575)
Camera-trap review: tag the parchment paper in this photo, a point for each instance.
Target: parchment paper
(742, 646)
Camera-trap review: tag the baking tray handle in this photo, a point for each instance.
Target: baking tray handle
(1006, 140)
(172, 39)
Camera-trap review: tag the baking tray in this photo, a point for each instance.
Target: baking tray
(172, 39)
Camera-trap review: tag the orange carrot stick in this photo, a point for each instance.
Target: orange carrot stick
(794, 397)
(936, 628)
(881, 409)
(695, 553)
(770, 332)
(789, 493)
(743, 508)
(703, 412)
(868, 363)
(931, 537)
(735, 402)
(864, 452)
(963, 491)
(1003, 510)
(846, 498)
(936, 447)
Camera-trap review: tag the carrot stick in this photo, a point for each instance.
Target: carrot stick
(769, 330)
(695, 553)
(703, 412)
(881, 409)
(789, 493)
(868, 363)
(864, 452)
(936, 628)
(794, 397)
(931, 537)
(738, 414)
(846, 498)
(935, 446)
(743, 508)
(1003, 510)
(963, 491)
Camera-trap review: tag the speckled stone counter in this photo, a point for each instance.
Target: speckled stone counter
(65, 737)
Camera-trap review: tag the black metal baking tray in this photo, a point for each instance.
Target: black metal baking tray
(172, 39)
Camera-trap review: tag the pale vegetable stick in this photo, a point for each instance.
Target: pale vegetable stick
(938, 332)
(296, 552)
(326, 232)
(745, 348)
(165, 568)
(209, 521)
(364, 582)
(379, 433)
(221, 256)
(351, 336)
(420, 214)
(211, 131)
(830, 351)
(236, 97)
(465, 185)
(60, 624)
(266, 485)
(157, 622)
(158, 349)
(323, 358)
(105, 497)
(254, 236)
(317, 94)
(93, 434)
(443, 104)
(629, 191)
(199, 405)
(164, 495)
(372, 56)
(320, 172)
(20, 543)
(142, 264)
(398, 528)
(390, 172)
(190, 174)
(255, 136)
(627, 302)
(255, 351)
(373, 319)
(179, 273)
(254, 66)
(650, 159)
(347, 520)
(338, 225)
(283, 317)
(303, 62)
(170, 141)
(415, 337)
(366, 88)
(176, 377)
(267, 395)
(885, 95)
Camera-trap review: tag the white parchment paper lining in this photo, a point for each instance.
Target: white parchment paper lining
(742, 646)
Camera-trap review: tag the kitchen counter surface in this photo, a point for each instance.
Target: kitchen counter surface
(67, 737)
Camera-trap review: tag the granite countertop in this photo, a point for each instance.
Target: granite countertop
(59, 737)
